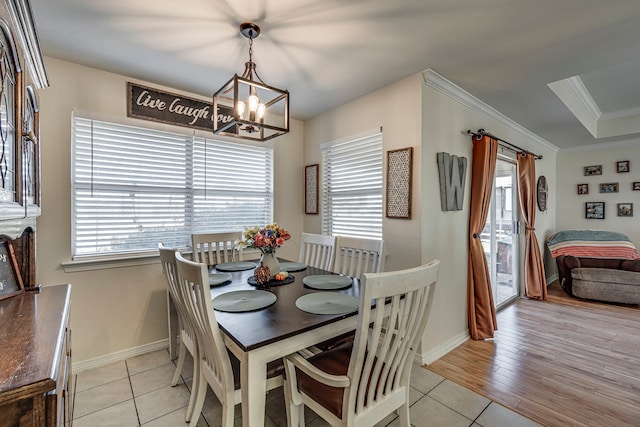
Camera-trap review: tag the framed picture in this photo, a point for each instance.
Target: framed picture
(593, 170)
(311, 189)
(11, 282)
(611, 187)
(583, 189)
(594, 210)
(625, 209)
(399, 171)
(635, 186)
(622, 166)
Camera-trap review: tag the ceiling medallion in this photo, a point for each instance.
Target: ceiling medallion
(246, 107)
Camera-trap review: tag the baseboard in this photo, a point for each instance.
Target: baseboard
(119, 355)
(552, 279)
(444, 348)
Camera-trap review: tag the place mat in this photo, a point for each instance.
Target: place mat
(216, 279)
(327, 281)
(273, 282)
(292, 266)
(327, 303)
(239, 301)
(236, 266)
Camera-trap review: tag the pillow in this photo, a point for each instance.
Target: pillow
(592, 244)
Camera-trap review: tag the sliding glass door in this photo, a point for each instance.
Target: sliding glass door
(500, 235)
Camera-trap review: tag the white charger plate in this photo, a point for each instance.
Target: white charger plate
(240, 301)
(236, 266)
(328, 303)
(327, 281)
(216, 279)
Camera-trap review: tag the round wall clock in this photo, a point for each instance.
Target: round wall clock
(542, 193)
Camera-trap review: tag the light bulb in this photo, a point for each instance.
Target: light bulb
(260, 111)
(253, 103)
(240, 108)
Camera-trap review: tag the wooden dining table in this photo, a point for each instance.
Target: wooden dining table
(261, 336)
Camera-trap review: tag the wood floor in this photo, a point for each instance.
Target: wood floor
(560, 362)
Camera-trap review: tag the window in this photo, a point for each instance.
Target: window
(352, 187)
(136, 187)
(7, 122)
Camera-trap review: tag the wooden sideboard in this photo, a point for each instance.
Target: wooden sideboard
(35, 359)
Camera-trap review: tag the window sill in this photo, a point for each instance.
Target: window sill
(108, 263)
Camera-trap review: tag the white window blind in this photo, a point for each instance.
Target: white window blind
(352, 187)
(135, 187)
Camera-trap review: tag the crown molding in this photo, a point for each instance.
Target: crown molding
(604, 146)
(436, 81)
(582, 94)
(21, 15)
(629, 112)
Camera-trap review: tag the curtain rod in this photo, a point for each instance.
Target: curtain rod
(505, 144)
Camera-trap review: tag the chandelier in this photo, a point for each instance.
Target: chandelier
(246, 107)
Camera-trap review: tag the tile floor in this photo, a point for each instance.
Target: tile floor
(137, 392)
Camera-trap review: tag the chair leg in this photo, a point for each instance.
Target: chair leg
(295, 413)
(181, 356)
(195, 385)
(201, 393)
(228, 409)
(403, 412)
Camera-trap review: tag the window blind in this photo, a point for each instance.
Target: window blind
(352, 187)
(135, 187)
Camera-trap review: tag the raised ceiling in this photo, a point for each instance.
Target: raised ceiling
(515, 55)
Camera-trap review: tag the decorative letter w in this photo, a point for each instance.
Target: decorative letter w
(452, 170)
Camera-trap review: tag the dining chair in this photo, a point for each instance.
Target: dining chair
(215, 248)
(218, 367)
(317, 250)
(355, 256)
(185, 326)
(361, 382)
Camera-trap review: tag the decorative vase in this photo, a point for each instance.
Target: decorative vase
(271, 261)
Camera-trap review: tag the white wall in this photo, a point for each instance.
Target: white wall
(396, 109)
(414, 114)
(447, 113)
(118, 309)
(571, 209)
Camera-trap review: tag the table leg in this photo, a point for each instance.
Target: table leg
(253, 378)
(172, 319)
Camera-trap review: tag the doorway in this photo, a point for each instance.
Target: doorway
(500, 235)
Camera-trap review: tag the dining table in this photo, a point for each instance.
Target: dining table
(259, 336)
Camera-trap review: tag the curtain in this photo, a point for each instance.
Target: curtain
(482, 312)
(534, 277)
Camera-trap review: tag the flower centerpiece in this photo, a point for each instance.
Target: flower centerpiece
(266, 240)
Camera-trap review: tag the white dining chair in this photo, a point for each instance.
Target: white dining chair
(317, 250)
(215, 248)
(218, 367)
(355, 256)
(185, 327)
(361, 382)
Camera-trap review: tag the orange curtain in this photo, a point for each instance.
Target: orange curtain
(534, 278)
(482, 312)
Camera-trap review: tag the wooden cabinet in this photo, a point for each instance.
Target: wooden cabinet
(35, 359)
(35, 341)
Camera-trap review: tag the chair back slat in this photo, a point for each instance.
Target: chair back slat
(386, 340)
(216, 248)
(193, 283)
(355, 256)
(169, 269)
(317, 250)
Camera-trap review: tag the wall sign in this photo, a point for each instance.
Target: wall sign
(311, 189)
(399, 179)
(452, 171)
(542, 191)
(165, 107)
